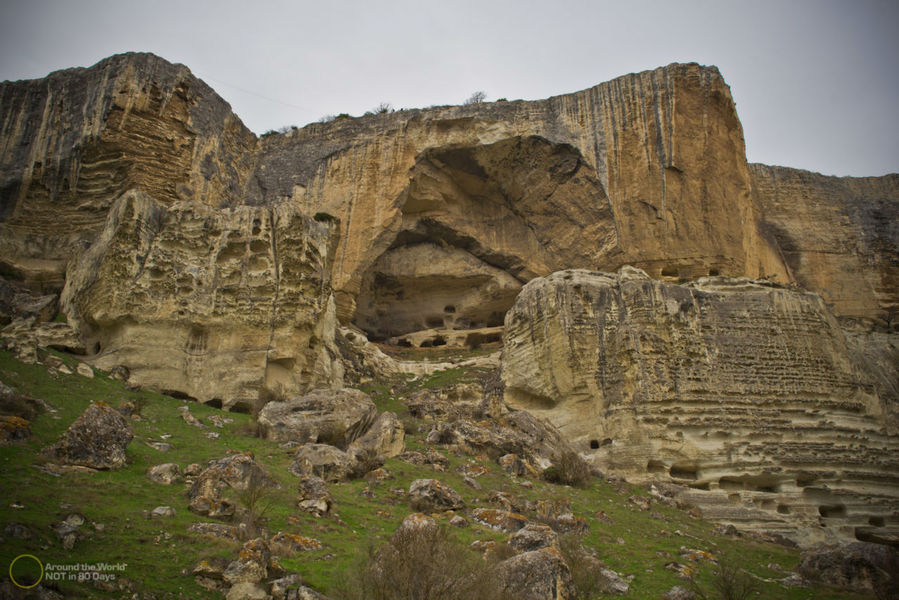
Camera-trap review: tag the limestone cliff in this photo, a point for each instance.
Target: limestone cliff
(730, 385)
(659, 156)
(838, 235)
(74, 141)
(212, 304)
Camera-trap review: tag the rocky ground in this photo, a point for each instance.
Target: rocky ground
(181, 500)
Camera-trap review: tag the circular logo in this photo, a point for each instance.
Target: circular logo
(26, 575)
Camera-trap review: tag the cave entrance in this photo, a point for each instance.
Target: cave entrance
(478, 222)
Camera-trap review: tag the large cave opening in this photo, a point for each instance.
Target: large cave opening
(478, 222)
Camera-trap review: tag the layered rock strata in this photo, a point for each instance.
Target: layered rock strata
(839, 236)
(71, 143)
(743, 389)
(211, 304)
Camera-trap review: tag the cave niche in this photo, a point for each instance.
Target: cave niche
(478, 222)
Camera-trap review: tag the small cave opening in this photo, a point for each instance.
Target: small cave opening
(594, 444)
(215, 403)
(683, 471)
(876, 521)
(831, 511)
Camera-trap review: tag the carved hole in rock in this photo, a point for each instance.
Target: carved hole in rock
(466, 239)
(783, 509)
(179, 395)
(215, 403)
(404, 343)
(767, 504)
(876, 521)
(594, 445)
(713, 272)
(477, 339)
(97, 348)
(701, 485)
(669, 271)
(241, 406)
(829, 511)
(257, 226)
(754, 483)
(683, 471)
(653, 466)
(258, 246)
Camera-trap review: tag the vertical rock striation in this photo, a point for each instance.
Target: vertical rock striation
(839, 236)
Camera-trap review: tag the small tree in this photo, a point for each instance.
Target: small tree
(476, 98)
(383, 108)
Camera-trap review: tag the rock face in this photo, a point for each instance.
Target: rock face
(211, 304)
(76, 140)
(839, 236)
(335, 417)
(97, 439)
(728, 385)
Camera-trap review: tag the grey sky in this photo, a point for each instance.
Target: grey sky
(816, 81)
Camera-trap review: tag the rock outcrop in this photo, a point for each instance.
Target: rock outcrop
(210, 304)
(97, 439)
(734, 386)
(839, 236)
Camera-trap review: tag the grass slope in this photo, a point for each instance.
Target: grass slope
(160, 553)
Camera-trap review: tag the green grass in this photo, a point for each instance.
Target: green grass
(160, 553)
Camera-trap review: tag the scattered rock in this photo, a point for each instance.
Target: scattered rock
(499, 520)
(417, 521)
(246, 590)
(430, 495)
(679, 593)
(166, 473)
(290, 544)
(18, 531)
(84, 370)
(189, 418)
(537, 575)
(216, 530)
(13, 429)
(252, 563)
(322, 460)
(794, 580)
(285, 588)
(162, 512)
(97, 439)
(209, 573)
(859, 566)
(385, 437)
(314, 496)
(640, 502)
(459, 521)
(238, 471)
(335, 417)
(512, 464)
(160, 446)
(120, 373)
(533, 537)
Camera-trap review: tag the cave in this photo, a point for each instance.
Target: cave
(469, 239)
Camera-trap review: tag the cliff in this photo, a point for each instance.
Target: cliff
(839, 236)
(74, 141)
(746, 390)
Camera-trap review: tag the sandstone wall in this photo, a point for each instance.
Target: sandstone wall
(211, 304)
(74, 141)
(665, 148)
(749, 391)
(839, 236)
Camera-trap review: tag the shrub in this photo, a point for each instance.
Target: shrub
(570, 469)
(586, 569)
(255, 499)
(421, 563)
(476, 98)
(729, 582)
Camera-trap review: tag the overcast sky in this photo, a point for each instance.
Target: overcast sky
(816, 81)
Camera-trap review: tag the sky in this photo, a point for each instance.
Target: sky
(816, 82)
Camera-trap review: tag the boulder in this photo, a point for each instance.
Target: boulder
(860, 566)
(385, 437)
(430, 495)
(13, 429)
(322, 460)
(537, 575)
(246, 590)
(462, 400)
(499, 520)
(97, 439)
(335, 417)
(166, 473)
(251, 565)
(162, 511)
(533, 537)
(314, 496)
(238, 471)
(290, 544)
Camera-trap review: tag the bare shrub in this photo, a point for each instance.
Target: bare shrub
(729, 582)
(255, 499)
(421, 563)
(585, 567)
(569, 469)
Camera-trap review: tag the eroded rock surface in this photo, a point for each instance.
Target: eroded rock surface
(210, 304)
(729, 385)
(97, 439)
